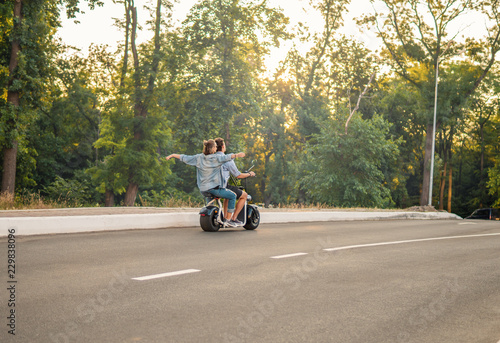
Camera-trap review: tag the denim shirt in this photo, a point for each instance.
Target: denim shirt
(228, 168)
(208, 169)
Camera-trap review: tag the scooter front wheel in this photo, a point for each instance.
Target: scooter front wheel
(209, 222)
(253, 219)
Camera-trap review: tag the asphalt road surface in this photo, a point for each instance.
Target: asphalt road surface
(378, 281)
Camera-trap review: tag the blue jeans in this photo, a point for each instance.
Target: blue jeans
(225, 194)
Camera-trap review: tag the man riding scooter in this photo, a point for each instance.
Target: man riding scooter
(227, 169)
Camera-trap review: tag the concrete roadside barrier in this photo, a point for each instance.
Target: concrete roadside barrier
(58, 224)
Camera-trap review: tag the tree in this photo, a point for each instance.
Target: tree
(347, 170)
(215, 66)
(27, 29)
(401, 106)
(328, 79)
(64, 131)
(315, 73)
(411, 42)
(135, 126)
(10, 151)
(227, 41)
(482, 126)
(273, 145)
(493, 183)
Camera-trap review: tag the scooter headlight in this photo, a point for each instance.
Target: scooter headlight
(249, 197)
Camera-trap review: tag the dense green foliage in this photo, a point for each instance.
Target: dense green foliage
(339, 125)
(354, 169)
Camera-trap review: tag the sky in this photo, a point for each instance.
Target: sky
(97, 26)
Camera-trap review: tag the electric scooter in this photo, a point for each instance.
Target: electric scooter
(212, 216)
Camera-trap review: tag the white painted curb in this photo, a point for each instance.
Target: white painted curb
(290, 217)
(72, 224)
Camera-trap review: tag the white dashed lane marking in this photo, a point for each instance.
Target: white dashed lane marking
(407, 241)
(189, 271)
(290, 255)
(157, 276)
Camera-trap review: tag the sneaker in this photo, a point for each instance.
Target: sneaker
(228, 223)
(236, 222)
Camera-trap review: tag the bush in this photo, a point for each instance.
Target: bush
(173, 199)
(76, 192)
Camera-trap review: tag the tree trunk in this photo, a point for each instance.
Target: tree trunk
(9, 170)
(228, 136)
(449, 190)
(156, 53)
(425, 196)
(441, 188)
(109, 200)
(127, 35)
(482, 186)
(267, 200)
(263, 188)
(10, 153)
(131, 194)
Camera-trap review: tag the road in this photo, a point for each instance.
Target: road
(378, 281)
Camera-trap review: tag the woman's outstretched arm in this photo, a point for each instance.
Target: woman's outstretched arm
(177, 156)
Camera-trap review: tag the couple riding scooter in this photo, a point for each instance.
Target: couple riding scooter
(213, 169)
(228, 169)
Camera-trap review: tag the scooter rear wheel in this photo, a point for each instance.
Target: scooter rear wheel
(209, 222)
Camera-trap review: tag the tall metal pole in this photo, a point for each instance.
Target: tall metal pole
(434, 133)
